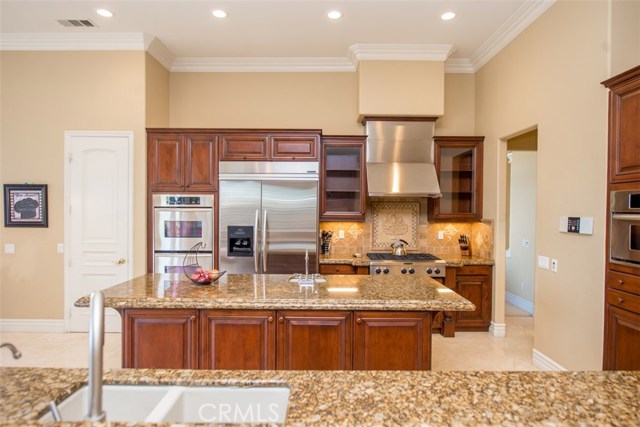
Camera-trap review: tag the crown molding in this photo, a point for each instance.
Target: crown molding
(401, 52)
(160, 52)
(68, 41)
(459, 66)
(257, 65)
(518, 22)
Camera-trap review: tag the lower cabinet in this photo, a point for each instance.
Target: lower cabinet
(160, 338)
(474, 284)
(320, 340)
(237, 339)
(298, 340)
(622, 339)
(392, 341)
(343, 269)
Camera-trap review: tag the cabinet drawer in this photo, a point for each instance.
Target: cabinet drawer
(294, 147)
(624, 300)
(472, 270)
(244, 147)
(623, 282)
(336, 269)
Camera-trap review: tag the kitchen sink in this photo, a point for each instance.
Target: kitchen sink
(195, 404)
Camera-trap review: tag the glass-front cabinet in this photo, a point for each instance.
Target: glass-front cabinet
(459, 167)
(342, 183)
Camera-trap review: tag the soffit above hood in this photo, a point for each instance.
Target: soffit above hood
(400, 158)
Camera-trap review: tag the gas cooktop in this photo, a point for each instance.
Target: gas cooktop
(382, 256)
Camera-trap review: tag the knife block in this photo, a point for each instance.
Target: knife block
(465, 250)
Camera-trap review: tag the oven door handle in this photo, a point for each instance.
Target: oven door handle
(264, 241)
(256, 260)
(626, 217)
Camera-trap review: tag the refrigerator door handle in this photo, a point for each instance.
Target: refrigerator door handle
(264, 241)
(255, 242)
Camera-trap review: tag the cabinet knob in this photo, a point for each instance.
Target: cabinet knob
(281, 320)
(620, 300)
(359, 321)
(270, 319)
(121, 261)
(620, 282)
(193, 317)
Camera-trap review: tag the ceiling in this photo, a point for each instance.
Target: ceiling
(284, 33)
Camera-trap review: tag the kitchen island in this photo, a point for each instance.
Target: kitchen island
(373, 398)
(271, 322)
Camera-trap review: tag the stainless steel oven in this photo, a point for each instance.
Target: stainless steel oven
(625, 227)
(180, 222)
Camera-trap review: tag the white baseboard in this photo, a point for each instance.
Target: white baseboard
(544, 363)
(519, 302)
(498, 329)
(32, 325)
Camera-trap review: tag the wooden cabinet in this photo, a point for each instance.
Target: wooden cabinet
(237, 339)
(342, 180)
(274, 146)
(474, 283)
(624, 127)
(343, 269)
(319, 340)
(622, 282)
(254, 339)
(458, 162)
(182, 162)
(160, 338)
(392, 340)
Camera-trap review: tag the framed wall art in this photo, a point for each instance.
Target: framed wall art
(25, 205)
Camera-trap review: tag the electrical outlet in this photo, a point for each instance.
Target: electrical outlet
(525, 243)
(554, 265)
(60, 248)
(9, 248)
(440, 235)
(340, 234)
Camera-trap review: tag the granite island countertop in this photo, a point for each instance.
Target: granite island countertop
(372, 398)
(277, 292)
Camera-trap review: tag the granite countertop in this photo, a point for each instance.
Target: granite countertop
(363, 261)
(276, 292)
(373, 398)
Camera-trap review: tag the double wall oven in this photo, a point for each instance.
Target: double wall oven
(625, 227)
(180, 222)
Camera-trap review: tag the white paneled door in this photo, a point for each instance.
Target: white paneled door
(98, 206)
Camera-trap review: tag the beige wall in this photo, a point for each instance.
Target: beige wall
(157, 80)
(459, 106)
(549, 77)
(406, 88)
(324, 101)
(43, 95)
(625, 35)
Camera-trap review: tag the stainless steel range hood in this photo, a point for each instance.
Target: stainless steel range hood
(400, 158)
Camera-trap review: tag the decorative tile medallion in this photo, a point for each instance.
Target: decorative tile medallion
(393, 221)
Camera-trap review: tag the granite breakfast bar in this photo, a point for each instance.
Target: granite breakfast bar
(272, 322)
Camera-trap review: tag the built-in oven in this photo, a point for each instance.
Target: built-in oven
(181, 221)
(625, 227)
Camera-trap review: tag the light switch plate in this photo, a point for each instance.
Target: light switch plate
(543, 262)
(60, 248)
(9, 248)
(340, 234)
(440, 235)
(554, 265)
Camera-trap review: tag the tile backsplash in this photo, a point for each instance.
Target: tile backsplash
(359, 236)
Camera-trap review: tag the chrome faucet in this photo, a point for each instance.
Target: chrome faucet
(96, 344)
(14, 351)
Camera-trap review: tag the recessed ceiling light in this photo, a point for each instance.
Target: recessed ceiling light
(218, 13)
(104, 12)
(447, 16)
(334, 14)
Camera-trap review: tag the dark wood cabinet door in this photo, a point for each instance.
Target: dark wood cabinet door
(392, 340)
(154, 338)
(244, 147)
(337, 269)
(237, 339)
(474, 284)
(624, 126)
(166, 161)
(343, 186)
(458, 162)
(201, 166)
(622, 339)
(310, 340)
(294, 147)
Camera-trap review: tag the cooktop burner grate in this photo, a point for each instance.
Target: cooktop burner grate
(409, 257)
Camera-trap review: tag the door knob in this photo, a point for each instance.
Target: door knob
(121, 261)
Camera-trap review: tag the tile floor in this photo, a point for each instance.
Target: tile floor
(468, 351)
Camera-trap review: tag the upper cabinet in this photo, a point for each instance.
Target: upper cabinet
(624, 132)
(342, 178)
(182, 162)
(283, 146)
(458, 161)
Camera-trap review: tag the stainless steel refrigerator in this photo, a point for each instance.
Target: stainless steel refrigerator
(268, 217)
